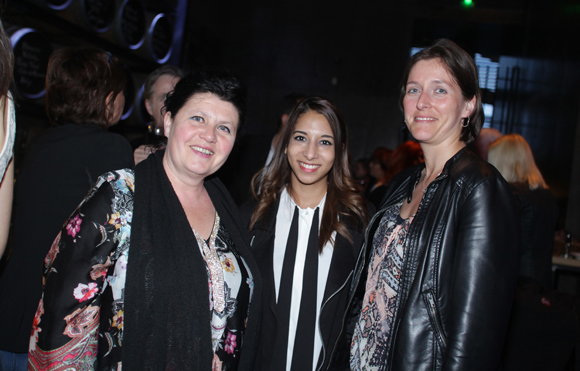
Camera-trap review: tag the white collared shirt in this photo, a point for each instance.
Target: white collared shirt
(283, 223)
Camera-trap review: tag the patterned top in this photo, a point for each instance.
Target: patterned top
(371, 333)
(10, 131)
(79, 321)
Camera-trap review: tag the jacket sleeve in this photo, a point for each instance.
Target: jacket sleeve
(77, 270)
(483, 279)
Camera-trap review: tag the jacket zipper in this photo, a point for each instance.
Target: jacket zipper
(320, 316)
(434, 311)
(362, 256)
(401, 293)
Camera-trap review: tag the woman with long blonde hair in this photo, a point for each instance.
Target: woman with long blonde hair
(514, 159)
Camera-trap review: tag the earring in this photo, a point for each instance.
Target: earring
(466, 121)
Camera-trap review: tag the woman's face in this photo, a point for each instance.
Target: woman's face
(163, 85)
(434, 104)
(311, 150)
(200, 136)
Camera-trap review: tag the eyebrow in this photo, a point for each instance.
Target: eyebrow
(305, 133)
(437, 81)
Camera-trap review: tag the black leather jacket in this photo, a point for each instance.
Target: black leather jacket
(459, 271)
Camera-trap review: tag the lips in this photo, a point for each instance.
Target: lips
(308, 167)
(202, 150)
(425, 119)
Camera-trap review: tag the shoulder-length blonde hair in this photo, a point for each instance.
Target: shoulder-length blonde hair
(344, 205)
(513, 157)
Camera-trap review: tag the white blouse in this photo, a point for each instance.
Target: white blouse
(283, 223)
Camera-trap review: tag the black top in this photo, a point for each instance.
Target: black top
(539, 215)
(60, 167)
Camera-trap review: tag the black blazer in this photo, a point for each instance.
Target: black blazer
(335, 295)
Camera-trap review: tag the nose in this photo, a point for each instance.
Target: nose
(423, 101)
(311, 150)
(208, 133)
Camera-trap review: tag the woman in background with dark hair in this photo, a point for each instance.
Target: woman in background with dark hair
(152, 270)
(84, 95)
(434, 285)
(306, 224)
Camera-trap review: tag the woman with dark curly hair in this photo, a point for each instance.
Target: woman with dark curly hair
(306, 224)
(152, 270)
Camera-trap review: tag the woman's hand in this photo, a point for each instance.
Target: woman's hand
(143, 151)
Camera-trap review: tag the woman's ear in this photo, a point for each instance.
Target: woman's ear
(470, 106)
(148, 107)
(167, 121)
(286, 150)
(110, 102)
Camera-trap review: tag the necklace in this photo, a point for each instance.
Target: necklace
(215, 265)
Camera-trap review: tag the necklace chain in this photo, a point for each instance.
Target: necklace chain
(215, 265)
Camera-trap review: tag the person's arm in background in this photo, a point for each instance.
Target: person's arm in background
(7, 132)
(6, 188)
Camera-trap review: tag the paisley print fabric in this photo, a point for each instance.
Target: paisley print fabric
(371, 334)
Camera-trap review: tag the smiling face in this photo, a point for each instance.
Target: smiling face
(163, 85)
(310, 151)
(200, 136)
(434, 104)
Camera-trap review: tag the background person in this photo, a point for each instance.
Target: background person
(436, 282)
(187, 295)
(286, 106)
(7, 133)
(485, 138)
(514, 159)
(378, 170)
(158, 84)
(306, 225)
(84, 96)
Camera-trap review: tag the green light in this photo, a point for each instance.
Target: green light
(468, 3)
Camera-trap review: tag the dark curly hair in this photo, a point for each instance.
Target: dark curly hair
(223, 84)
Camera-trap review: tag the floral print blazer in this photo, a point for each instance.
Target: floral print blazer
(86, 325)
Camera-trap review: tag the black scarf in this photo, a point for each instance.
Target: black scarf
(167, 316)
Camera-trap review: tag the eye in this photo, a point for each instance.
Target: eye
(300, 138)
(198, 119)
(412, 91)
(225, 128)
(326, 142)
(440, 91)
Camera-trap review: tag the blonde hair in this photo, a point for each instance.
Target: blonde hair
(513, 157)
